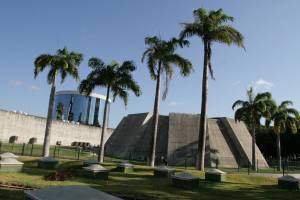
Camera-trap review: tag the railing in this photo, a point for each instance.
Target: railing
(35, 150)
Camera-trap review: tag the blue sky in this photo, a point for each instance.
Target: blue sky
(115, 30)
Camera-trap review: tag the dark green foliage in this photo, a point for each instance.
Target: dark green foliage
(118, 78)
(252, 110)
(160, 52)
(63, 63)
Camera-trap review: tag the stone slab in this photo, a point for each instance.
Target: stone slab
(185, 181)
(289, 182)
(68, 193)
(47, 163)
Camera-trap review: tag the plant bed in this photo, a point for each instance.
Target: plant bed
(87, 163)
(95, 171)
(185, 181)
(58, 175)
(124, 167)
(215, 175)
(163, 171)
(289, 182)
(47, 163)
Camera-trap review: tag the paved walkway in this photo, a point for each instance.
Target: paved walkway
(274, 175)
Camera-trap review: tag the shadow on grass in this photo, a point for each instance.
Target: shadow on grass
(11, 194)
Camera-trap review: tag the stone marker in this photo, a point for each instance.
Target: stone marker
(288, 182)
(10, 165)
(96, 171)
(215, 175)
(68, 193)
(185, 180)
(47, 163)
(124, 167)
(163, 171)
(87, 163)
(8, 155)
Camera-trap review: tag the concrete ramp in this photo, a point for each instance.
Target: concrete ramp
(124, 140)
(220, 150)
(242, 140)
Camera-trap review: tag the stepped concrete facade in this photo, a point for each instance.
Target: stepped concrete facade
(27, 126)
(228, 143)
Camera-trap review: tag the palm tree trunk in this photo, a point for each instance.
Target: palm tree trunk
(203, 119)
(151, 157)
(254, 167)
(278, 152)
(46, 146)
(104, 127)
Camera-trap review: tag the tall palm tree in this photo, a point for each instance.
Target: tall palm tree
(117, 79)
(161, 59)
(284, 119)
(211, 27)
(62, 63)
(251, 111)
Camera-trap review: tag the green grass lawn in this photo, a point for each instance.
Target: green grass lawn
(141, 185)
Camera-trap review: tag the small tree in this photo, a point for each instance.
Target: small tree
(117, 79)
(284, 119)
(62, 63)
(161, 58)
(251, 111)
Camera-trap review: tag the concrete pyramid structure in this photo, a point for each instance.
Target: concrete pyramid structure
(228, 143)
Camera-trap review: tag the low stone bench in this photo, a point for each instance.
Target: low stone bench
(10, 165)
(185, 180)
(47, 163)
(96, 171)
(87, 163)
(288, 182)
(8, 155)
(215, 175)
(124, 167)
(68, 193)
(163, 171)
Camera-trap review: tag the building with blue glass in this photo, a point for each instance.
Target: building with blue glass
(71, 106)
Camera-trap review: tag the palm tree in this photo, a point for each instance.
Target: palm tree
(161, 58)
(117, 79)
(251, 111)
(284, 118)
(211, 27)
(62, 63)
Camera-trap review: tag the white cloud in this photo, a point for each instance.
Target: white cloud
(175, 104)
(19, 83)
(261, 85)
(15, 83)
(33, 88)
(236, 83)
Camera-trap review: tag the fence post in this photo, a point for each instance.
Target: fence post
(0, 146)
(23, 149)
(54, 153)
(58, 151)
(257, 166)
(249, 168)
(31, 151)
(283, 168)
(78, 153)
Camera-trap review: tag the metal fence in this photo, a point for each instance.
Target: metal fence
(57, 151)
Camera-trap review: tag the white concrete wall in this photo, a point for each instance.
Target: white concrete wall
(27, 126)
